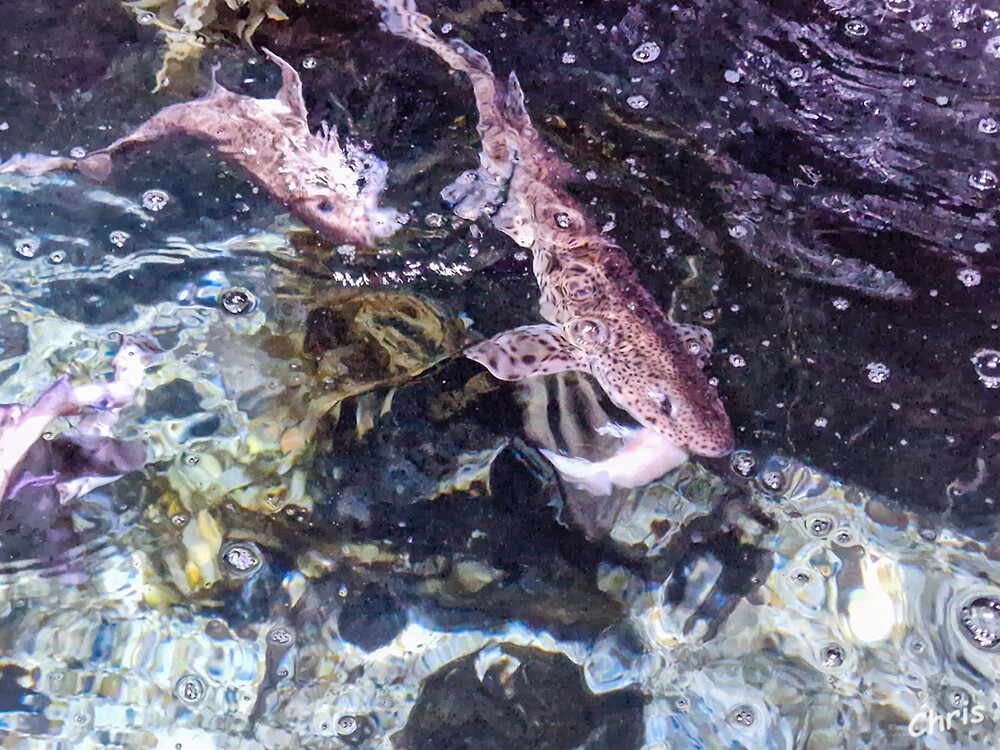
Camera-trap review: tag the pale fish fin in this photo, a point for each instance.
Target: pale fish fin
(698, 342)
(290, 93)
(526, 351)
(645, 457)
(613, 429)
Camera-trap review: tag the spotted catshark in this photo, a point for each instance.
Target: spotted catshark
(335, 189)
(600, 319)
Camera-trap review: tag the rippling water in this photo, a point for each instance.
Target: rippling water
(345, 535)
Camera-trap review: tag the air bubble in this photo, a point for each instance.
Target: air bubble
(819, 526)
(637, 101)
(986, 363)
(989, 126)
(190, 689)
(969, 276)
(27, 248)
(856, 27)
(980, 621)
(773, 480)
(833, 657)
(797, 74)
(840, 303)
(844, 537)
(737, 360)
(57, 256)
(743, 463)
(309, 63)
(742, 716)
(992, 47)
(145, 19)
(119, 237)
(241, 559)
(921, 24)
(353, 730)
(899, 6)
(877, 372)
(957, 698)
(646, 52)
(155, 199)
(958, 44)
(180, 519)
(562, 221)
(237, 301)
(984, 179)
(281, 636)
(78, 152)
(568, 58)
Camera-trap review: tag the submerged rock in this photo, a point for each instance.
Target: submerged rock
(510, 696)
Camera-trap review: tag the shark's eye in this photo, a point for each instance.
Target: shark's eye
(589, 332)
(324, 206)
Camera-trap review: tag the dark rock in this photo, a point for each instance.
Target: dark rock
(371, 619)
(528, 698)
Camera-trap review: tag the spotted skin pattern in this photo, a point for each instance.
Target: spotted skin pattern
(333, 188)
(601, 319)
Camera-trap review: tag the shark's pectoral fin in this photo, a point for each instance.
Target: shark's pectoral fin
(646, 456)
(526, 351)
(698, 342)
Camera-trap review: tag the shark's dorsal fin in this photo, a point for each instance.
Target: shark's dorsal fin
(527, 351)
(290, 93)
(698, 342)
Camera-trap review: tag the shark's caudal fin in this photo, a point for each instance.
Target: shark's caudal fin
(646, 456)
(527, 351)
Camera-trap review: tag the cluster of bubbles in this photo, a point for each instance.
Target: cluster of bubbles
(742, 716)
(155, 199)
(984, 179)
(190, 689)
(646, 52)
(878, 372)
(986, 363)
(969, 276)
(743, 463)
(241, 559)
(237, 301)
(27, 247)
(833, 657)
(354, 730)
(119, 237)
(980, 621)
(856, 27)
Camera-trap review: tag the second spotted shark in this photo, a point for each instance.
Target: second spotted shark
(333, 188)
(600, 319)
